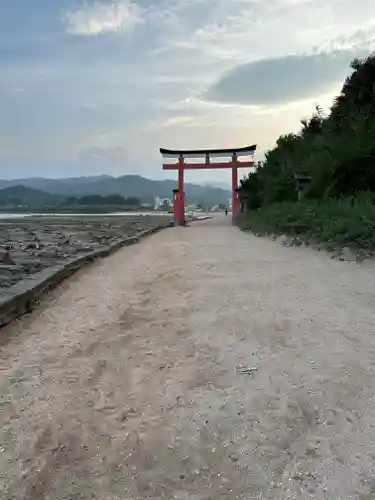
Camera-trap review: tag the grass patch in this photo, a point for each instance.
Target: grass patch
(349, 222)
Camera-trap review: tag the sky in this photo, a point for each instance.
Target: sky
(97, 86)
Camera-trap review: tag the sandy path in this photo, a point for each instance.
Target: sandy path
(129, 381)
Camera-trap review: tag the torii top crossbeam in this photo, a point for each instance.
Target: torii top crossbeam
(207, 154)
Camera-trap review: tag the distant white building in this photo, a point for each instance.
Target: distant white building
(191, 208)
(162, 202)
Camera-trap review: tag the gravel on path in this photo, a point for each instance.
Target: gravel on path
(202, 364)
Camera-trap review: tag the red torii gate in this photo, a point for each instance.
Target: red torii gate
(206, 154)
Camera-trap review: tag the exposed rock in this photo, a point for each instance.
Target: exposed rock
(283, 239)
(296, 241)
(335, 254)
(6, 258)
(348, 255)
(319, 246)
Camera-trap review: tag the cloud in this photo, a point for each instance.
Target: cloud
(96, 156)
(280, 80)
(178, 120)
(102, 17)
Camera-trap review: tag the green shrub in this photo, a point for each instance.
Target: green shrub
(346, 222)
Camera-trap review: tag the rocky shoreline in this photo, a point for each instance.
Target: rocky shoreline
(32, 244)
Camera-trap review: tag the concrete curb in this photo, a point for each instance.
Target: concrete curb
(22, 297)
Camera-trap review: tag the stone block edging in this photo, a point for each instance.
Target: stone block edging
(22, 297)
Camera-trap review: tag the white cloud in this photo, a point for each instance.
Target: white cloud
(102, 17)
(239, 31)
(115, 156)
(178, 120)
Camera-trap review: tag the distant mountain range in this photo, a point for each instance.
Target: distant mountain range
(24, 195)
(127, 186)
(220, 185)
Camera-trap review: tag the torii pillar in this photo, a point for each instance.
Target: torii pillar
(235, 199)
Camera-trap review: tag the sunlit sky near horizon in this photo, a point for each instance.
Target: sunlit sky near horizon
(97, 86)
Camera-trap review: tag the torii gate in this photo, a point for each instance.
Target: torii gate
(206, 154)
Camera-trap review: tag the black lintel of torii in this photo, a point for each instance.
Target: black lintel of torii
(202, 153)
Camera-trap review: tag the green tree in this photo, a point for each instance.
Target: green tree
(133, 201)
(92, 199)
(114, 199)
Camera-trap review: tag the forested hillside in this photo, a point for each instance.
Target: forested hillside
(127, 186)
